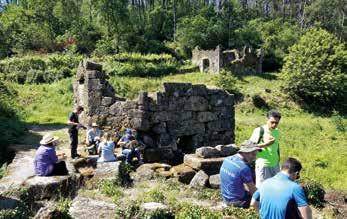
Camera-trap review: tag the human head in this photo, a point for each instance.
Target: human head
(49, 139)
(94, 125)
(273, 119)
(249, 150)
(107, 136)
(79, 109)
(292, 167)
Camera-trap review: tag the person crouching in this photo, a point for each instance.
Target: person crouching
(237, 184)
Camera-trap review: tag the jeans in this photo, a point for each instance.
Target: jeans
(73, 142)
(131, 153)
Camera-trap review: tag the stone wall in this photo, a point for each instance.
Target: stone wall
(237, 61)
(180, 118)
(213, 57)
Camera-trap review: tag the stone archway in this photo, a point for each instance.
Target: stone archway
(205, 64)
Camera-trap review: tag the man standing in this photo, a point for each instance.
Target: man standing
(267, 137)
(281, 197)
(236, 176)
(74, 125)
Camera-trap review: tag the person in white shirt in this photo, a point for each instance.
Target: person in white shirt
(93, 138)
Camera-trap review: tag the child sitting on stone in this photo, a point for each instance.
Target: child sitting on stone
(106, 149)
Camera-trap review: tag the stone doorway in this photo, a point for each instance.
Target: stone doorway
(205, 65)
(184, 146)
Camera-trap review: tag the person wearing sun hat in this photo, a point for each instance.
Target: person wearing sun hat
(237, 183)
(46, 161)
(93, 138)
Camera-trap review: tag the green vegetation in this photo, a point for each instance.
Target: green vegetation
(315, 71)
(10, 125)
(314, 192)
(111, 189)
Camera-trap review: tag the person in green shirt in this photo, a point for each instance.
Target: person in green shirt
(267, 137)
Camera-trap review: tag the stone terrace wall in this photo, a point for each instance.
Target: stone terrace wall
(183, 115)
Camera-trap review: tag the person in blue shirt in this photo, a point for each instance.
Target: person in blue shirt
(237, 182)
(130, 146)
(280, 197)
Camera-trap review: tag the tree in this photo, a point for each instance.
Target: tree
(315, 70)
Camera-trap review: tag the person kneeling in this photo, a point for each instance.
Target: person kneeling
(47, 162)
(106, 149)
(237, 184)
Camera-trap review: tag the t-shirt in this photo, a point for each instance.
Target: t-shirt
(107, 153)
(276, 193)
(91, 134)
(44, 160)
(269, 155)
(73, 117)
(234, 172)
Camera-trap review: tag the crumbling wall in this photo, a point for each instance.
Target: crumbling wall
(181, 117)
(235, 60)
(212, 57)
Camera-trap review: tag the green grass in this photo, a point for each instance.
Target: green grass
(46, 103)
(319, 142)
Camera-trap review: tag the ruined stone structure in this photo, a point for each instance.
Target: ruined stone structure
(180, 118)
(238, 61)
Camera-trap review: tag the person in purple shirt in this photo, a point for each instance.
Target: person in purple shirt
(236, 175)
(47, 161)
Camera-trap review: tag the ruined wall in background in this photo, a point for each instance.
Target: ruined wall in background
(181, 117)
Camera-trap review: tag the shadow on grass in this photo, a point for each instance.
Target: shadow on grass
(31, 137)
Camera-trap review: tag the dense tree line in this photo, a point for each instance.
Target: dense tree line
(156, 26)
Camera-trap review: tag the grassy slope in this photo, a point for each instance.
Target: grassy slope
(313, 139)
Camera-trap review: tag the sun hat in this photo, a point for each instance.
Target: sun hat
(249, 146)
(94, 124)
(48, 138)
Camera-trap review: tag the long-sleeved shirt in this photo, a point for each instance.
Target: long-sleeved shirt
(44, 160)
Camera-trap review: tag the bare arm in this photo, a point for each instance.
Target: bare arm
(255, 204)
(250, 187)
(305, 212)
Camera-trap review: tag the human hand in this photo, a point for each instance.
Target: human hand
(270, 140)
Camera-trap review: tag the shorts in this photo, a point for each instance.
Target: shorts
(263, 172)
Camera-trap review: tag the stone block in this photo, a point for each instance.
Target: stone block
(177, 89)
(164, 140)
(206, 116)
(107, 101)
(183, 172)
(198, 103)
(116, 109)
(199, 90)
(214, 181)
(207, 152)
(159, 128)
(92, 74)
(89, 65)
(153, 206)
(199, 180)
(106, 170)
(227, 150)
(82, 208)
(129, 104)
(140, 124)
(160, 117)
(209, 165)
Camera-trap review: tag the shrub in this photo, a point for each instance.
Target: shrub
(314, 192)
(36, 69)
(315, 70)
(111, 189)
(154, 195)
(227, 81)
(240, 213)
(189, 211)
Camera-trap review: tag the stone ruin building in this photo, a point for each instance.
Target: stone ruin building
(178, 119)
(238, 61)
